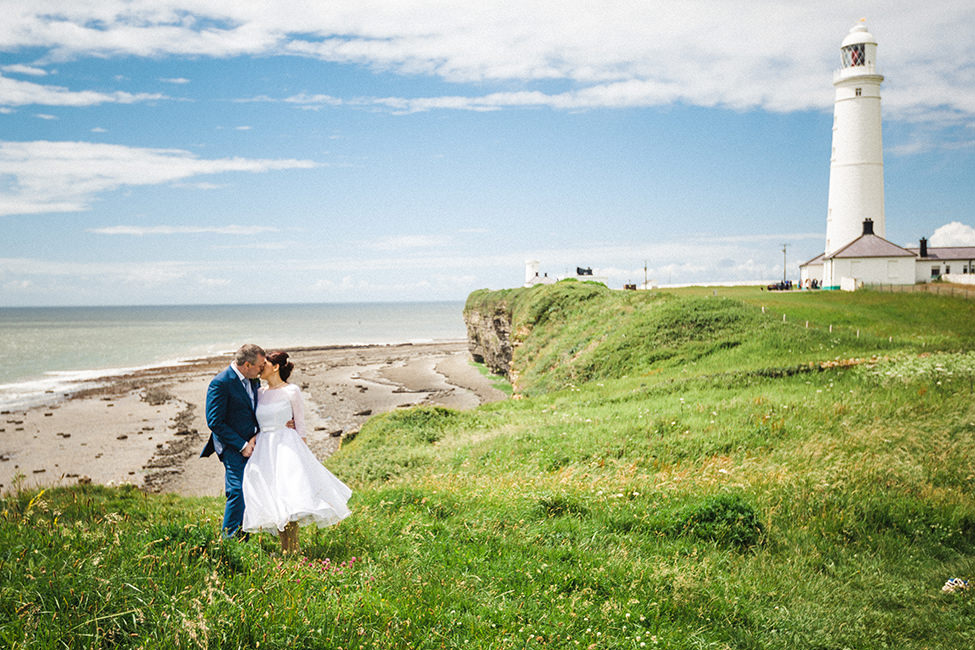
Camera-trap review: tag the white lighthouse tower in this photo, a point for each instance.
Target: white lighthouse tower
(856, 170)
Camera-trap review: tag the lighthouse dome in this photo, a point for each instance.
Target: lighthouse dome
(858, 34)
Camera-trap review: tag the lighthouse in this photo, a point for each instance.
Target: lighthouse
(857, 252)
(856, 168)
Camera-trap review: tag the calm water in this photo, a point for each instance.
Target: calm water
(60, 348)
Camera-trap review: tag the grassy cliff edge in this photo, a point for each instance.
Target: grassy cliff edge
(688, 469)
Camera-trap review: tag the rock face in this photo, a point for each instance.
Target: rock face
(489, 338)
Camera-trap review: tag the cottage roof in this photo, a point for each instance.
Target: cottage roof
(872, 246)
(947, 253)
(814, 261)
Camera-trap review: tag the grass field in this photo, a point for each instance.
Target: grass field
(683, 471)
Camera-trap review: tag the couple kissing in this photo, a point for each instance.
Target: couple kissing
(272, 480)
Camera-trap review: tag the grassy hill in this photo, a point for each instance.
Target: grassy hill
(686, 471)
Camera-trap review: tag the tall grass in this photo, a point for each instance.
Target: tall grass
(709, 490)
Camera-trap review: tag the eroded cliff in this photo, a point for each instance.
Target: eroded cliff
(489, 336)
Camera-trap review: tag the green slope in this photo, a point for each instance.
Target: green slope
(686, 471)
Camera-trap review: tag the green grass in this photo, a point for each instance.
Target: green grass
(702, 486)
(497, 381)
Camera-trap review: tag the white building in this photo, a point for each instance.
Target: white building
(856, 251)
(532, 276)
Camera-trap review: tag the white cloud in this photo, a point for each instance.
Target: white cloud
(175, 80)
(181, 230)
(243, 128)
(770, 54)
(214, 282)
(18, 68)
(14, 92)
(110, 271)
(404, 242)
(953, 234)
(200, 186)
(44, 176)
(260, 246)
(18, 285)
(45, 116)
(99, 129)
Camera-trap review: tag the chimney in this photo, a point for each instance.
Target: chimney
(924, 247)
(868, 226)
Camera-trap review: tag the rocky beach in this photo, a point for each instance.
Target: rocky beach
(148, 427)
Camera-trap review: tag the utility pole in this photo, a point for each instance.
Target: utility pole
(783, 261)
(645, 275)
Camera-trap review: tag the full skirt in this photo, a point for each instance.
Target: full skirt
(284, 482)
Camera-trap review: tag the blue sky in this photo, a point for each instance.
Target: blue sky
(175, 151)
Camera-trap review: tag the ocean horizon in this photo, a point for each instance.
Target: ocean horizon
(49, 352)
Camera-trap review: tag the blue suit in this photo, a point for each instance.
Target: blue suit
(232, 422)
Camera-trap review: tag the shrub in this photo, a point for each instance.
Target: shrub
(723, 518)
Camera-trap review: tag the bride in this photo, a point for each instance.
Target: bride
(284, 484)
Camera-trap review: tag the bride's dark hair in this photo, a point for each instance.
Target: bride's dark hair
(280, 359)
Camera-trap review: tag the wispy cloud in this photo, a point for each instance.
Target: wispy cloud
(203, 185)
(175, 80)
(14, 92)
(182, 230)
(45, 116)
(43, 176)
(740, 54)
(406, 242)
(260, 246)
(19, 68)
(761, 237)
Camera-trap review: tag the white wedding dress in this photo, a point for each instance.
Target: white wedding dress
(283, 481)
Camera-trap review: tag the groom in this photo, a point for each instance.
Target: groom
(230, 411)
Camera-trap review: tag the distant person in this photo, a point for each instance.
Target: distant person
(230, 406)
(284, 484)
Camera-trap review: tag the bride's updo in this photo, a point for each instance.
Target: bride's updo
(280, 359)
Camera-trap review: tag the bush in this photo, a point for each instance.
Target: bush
(723, 518)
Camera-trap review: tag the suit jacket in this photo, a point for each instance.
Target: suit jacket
(230, 411)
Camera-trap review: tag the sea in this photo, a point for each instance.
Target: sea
(47, 353)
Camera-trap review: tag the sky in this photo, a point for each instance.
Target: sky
(215, 151)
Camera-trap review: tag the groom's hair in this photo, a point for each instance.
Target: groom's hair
(248, 353)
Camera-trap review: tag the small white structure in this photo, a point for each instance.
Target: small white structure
(870, 258)
(951, 263)
(532, 276)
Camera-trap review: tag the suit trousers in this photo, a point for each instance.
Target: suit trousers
(233, 478)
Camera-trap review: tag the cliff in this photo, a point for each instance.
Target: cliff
(489, 335)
